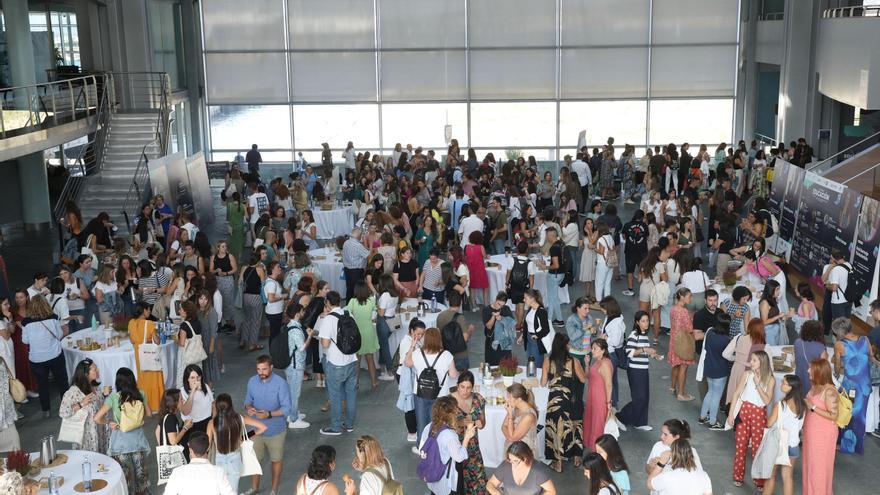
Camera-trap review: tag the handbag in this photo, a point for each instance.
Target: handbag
(16, 389)
(168, 457)
(683, 345)
(73, 428)
(250, 465)
(87, 250)
(768, 452)
(730, 351)
(611, 427)
(148, 354)
(875, 374)
(193, 350)
(701, 364)
(131, 415)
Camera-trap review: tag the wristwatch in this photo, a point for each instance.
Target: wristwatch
(270, 413)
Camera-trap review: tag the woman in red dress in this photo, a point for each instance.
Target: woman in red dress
(680, 321)
(598, 400)
(475, 257)
(22, 364)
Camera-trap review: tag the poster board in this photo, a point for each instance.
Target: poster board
(826, 220)
(866, 255)
(794, 181)
(178, 181)
(200, 189)
(159, 179)
(775, 198)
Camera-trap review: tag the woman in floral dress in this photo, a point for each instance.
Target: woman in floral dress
(564, 375)
(471, 409)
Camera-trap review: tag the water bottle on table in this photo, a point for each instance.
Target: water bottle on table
(87, 474)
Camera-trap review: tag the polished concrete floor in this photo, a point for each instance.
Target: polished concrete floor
(378, 416)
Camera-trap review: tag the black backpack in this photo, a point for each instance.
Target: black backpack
(519, 275)
(453, 338)
(853, 293)
(348, 336)
(279, 350)
(428, 384)
(565, 265)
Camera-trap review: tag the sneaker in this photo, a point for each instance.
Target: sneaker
(302, 415)
(412, 437)
(703, 421)
(558, 323)
(415, 450)
(629, 292)
(32, 395)
(348, 429)
(717, 427)
(250, 491)
(628, 202)
(386, 377)
(298, 425)
(330, 432)
(644, 428)
(875, 433)
(620, 426)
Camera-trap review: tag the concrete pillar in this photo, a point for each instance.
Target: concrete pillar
(192, 50)
(34, 186)
(797, 75)
(747, 82)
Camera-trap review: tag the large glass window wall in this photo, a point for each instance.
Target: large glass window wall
(289, 75)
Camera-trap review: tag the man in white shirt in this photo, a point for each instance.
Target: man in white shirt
(582, 170)
(340, 370)
(258, 203)
(41, 280)
(199, 476)
(469, 223)
(835, 276)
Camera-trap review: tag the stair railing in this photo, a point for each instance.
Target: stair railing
(827, 164)
(46, 103)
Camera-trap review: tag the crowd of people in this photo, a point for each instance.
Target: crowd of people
(425, 229)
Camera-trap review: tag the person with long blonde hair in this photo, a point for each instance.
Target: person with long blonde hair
(370, 460)
(442, 427)
(753, 392)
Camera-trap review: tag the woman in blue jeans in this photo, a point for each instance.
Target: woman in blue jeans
(298, 340)
(430, 356)
(226, 430)
(539, 333)
(431, 278)
(716, 370)
(773, 318)
(386, 313)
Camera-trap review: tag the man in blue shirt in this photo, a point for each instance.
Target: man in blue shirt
(268, 400)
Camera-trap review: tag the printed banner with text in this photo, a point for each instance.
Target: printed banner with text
(866, 261)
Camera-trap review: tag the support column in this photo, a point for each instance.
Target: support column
(747, 82)
(33, 183)
(797, 76)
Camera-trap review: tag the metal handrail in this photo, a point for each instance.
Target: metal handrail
(875, 136)
(860, 11)
(771, 16)
(70, 92)
(863, 172)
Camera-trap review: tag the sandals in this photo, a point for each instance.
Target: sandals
(557, 466)
(258, 347)
(684, 398)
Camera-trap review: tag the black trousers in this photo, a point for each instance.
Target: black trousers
(352, 276)
(274, 324)
(636, 412)
(41, 373)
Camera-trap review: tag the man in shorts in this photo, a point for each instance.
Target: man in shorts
(268, 400)
(520, 278)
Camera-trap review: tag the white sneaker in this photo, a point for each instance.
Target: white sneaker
(386, 377)
(302, 415)
(645, 428)
(620, 425)
(416, 451)
(298, 425)
(32, 395)
(412, 437)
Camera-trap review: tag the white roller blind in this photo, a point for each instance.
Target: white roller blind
(244, 78)
(694, 21)
(604, 22)
(331, 24)
(625, 120)
(229, 26)
(422, 23)
(423, 124)
(513, 124)
(424, 76)
(680, 71)
(604, 73)
(333, 76)
(336, 125)
(513, 74)
(499, 23)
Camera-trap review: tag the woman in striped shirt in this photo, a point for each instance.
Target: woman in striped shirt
(150, 283)
(639, 353)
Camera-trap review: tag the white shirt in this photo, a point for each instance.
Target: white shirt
(696, 281)
(838, 275)
(260, 203)
(660, 448)
(327, 328)
(371, 484)
(201, 404)
(218, 305)
(192, 230)
(388, 303)
(607, 243)
(273, 287)
(791, 423)
(105, 288)
(469, 224)
(7, 350)
(59, 306)
(403, 348)
(442, 368)
(570, 235)
(74, 304)
(33, 292)
(681, 482)
(616, 333)
(583, 172)
(199, 476)
(673, 272)
(349, 156)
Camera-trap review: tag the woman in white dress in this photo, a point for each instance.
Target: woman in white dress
(309, 230)
(587, 272)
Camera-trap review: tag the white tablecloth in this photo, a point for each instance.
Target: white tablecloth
(72, 473)
(330, 267)
(871, 418)
(491, 438)
(333, 223)
(110, 360)
(498, 279)
(400, 328)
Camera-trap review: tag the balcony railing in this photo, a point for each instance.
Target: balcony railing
(27, 108)
(861, 11)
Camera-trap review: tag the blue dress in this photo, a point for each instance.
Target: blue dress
(856, 376)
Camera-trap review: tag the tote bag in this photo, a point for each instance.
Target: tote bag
(148, 354)
(73, 428)
(683, 345)
(249, 464)
(168, 457)
(87, 250)
(193, 351)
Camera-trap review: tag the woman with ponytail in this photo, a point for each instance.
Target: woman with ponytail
(225, 432)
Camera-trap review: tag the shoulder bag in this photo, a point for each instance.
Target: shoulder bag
(390, 486)
(16, 389)
(193, 351)
(86, 249)
(250, 465)
(73, 428)
(730, 351)
(168, 457)
(684, 345)
(148, 354)
(769, 451)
